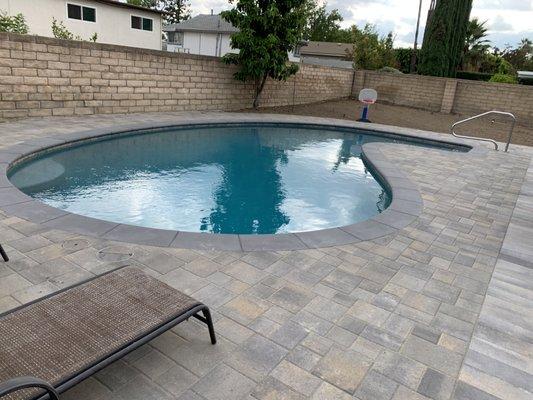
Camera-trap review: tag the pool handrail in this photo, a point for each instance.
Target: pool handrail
(508, 114)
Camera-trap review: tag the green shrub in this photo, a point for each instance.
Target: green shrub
(474, 76)
(60, 31)
(403, 58)
(505, 67)
(390, 70)
(503, 78)
(13, 24)
(373, 51)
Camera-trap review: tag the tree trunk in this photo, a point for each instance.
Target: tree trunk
(258, 90)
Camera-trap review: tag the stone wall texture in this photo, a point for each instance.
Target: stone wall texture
(42, 76)
(448, 95)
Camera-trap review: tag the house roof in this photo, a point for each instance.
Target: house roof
(130, 6)
(327, 49)
(202, 23)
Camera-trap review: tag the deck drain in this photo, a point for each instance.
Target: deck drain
(115, 253)
(75, 244)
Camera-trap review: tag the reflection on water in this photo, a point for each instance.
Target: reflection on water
(255, 179)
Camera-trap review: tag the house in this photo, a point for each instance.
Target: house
(330, 54)
(205, 34)
(525, 77)
(112, 21)
(327, 50)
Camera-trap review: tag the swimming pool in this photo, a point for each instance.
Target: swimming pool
(233, 178)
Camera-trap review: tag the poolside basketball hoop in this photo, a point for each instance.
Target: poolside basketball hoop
(367, 97)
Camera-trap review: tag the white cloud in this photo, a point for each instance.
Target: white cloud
(523, 5)
(507, 19)
(500, 25)
(205, 6)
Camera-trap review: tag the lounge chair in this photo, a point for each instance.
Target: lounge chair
(53, 343)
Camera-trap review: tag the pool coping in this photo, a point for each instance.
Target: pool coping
(405, 207)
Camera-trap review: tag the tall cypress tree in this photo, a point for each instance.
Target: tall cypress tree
(444, 38)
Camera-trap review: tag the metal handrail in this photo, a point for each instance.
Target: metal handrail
(508, 114)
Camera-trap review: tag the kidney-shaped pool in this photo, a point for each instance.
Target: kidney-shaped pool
(237, 179)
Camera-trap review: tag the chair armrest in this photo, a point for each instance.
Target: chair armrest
(27, 382)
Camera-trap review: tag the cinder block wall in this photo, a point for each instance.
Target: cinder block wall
(448, 95)
(42, 77)
(403, 89)
(472, 97)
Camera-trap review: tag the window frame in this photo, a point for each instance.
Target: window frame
(174, 35)
(142, 23)
(81, 12)
(180, 34)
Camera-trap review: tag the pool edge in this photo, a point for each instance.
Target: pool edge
(405, 207)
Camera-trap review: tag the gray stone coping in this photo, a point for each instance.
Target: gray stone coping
(405, 207)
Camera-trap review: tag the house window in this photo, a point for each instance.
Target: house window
(145, 24)
(176, 38)
(148, 24)
(82, 13)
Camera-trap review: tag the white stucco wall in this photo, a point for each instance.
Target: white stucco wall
(203, 43)
(113, 24)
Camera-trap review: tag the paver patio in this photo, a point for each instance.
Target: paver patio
(441, 309)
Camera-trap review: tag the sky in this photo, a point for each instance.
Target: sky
(508, 20)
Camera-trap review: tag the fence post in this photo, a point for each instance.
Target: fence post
(448, 97)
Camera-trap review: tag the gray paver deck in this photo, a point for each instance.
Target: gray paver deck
(439, 308)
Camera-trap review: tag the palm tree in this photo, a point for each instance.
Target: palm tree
(476, 44)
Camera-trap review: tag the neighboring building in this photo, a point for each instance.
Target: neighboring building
(205, 34)
(113, 22)
(209, 35)
(329, 54)
(326, 50)
(525, 77)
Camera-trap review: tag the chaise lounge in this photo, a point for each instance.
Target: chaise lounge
(53, 343)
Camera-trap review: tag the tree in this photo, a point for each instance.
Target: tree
(404, 57)
(322, 26)
(445, 37)
(371, 50)
(522, 56)
(13, 24)
(476, 45)
(143, 3)
(268, 30)
(175, 11)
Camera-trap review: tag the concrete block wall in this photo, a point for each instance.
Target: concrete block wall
(44, 77)
(403, 89)
(448, 95)
(473, 97)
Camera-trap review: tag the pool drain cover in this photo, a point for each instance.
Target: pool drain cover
(115, 253)
(75, 244)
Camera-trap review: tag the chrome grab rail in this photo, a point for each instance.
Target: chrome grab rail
(508, 114)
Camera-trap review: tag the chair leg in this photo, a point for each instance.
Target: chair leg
(206, 319)
(4, 254)
(209, 322)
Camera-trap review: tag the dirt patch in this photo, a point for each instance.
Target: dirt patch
(410, 118)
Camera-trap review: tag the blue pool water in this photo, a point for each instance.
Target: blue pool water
(254, 179)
